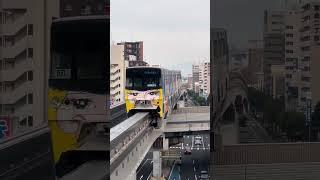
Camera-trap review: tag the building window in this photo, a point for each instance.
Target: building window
(316, 38)
(30, 53)
(316, 16)
(289, 43)
(30, 29)
(316, 7)
(306, 48)
(23, 122)
(30, 121)
(30, 75)
(289, 35)
(30, 98)
(289, 51)
(289, 76)
(307, 79)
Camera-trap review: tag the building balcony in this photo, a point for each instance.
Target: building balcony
(12, 74)
(13, 27)
(11, 97)
(17, 48)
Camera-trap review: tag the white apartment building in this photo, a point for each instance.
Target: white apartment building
(302, 52)
(24, 60)
(201, 76)
(310, 52)
(117, 75)
(204, 78)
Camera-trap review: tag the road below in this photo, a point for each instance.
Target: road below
(192, 164)
(145, 169)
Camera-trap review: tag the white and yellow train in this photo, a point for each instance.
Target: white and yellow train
(151, 89)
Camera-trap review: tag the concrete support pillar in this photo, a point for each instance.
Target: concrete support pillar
(165, 143)
(157, 162)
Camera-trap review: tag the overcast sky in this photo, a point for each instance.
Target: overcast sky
(176, 33)
(243, 19)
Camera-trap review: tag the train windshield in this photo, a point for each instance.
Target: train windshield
(143, 78)
(79, 53)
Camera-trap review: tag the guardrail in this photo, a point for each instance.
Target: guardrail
(126, 133)
(194, 109)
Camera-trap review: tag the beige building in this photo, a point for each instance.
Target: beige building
(24, 59)
(302, 42)
(204, 78)
(117, 75)
(278, 81)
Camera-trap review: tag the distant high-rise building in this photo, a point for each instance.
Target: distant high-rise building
(190, 81)
(133, 49)
(117, 75)
(273, 37)
(302, 44)
(83, 7)
(195, 75)
(133, 52)
(203, 69)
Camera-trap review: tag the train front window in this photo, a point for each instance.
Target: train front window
(76, 55)
(139, 83)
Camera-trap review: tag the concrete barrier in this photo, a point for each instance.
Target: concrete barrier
(194, 109)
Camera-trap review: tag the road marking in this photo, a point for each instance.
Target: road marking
(141, 177)
(192, 141)
(181, 145)
(172, 169)
(195, 176)
(194, 168)
(192, 161)
(202, 141)
(144, 164)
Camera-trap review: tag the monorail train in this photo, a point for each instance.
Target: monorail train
(152, 89)
(77, 89)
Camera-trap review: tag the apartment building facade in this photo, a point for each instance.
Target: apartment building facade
(117, 75)
(24, 59)
(195, 76)
(273, 38)
(292, 60)
(302, 42)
